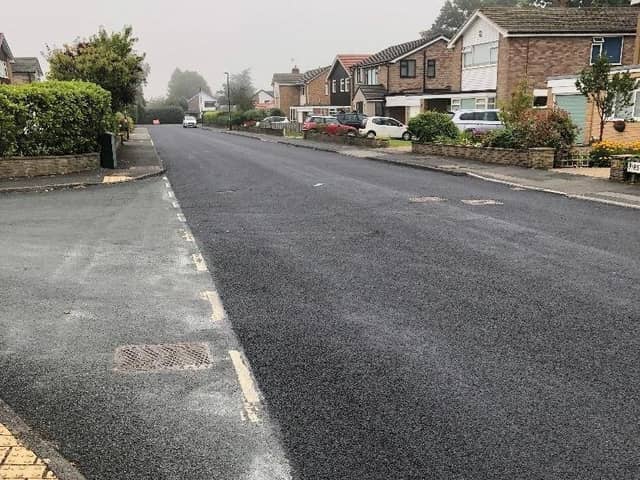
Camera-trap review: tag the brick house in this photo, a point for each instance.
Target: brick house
(393, 81)
(6, 61)
(286, 89)
(26, 70)
(499, 47)
(200, 103)
(263, 100)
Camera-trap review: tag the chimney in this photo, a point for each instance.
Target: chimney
(295, 70)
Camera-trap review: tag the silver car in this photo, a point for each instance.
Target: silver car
(477, 121)
(189, 122)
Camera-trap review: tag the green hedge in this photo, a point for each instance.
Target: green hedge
(429, 126)
(164, 114)
(53, 118)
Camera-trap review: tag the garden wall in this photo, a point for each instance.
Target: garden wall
(346, 140)
(14, 167)
(532, 158)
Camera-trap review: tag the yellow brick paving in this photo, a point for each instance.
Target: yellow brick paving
(18, 462)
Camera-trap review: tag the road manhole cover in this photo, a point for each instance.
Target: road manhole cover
(426, 200)
(482, 202)
(161, 358)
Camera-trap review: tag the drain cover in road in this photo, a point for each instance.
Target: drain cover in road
(482, 202)
(160, 358)
(426, 199)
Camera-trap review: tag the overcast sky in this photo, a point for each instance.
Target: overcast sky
(216, 36)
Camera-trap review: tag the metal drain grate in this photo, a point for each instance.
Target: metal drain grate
(159, 358)
(426, 200)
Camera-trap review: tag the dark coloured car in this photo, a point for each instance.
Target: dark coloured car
(353, 119)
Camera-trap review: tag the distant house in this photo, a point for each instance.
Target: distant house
(314, 96)
(393, 81)
(264, 100)
(6, 61)
(200, 103)
(339, 79)
(286, 89)
(26, 70)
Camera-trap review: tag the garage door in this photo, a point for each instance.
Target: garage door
(576, 107)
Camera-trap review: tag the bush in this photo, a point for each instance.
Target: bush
(275, 112)
(164, 114)
(124, 122)
(220, 119)
(428, 126)
(53, 118)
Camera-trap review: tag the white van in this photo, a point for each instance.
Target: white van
(477, 120)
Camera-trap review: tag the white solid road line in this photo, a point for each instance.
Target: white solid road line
(181, 217)
(249, 391)
(186, 235)
(217, 309)
(176, 205)
(201, 265)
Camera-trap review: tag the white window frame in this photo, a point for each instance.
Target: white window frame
(334, 86)
(600, 41)
(481, 103)
(469, 53)
(326, 88)
(4, 69)
(346, 85)
(635, 109)
(342, 85)
(456, 104)
(491, 103)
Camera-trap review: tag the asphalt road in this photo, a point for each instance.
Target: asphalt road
(438, 340)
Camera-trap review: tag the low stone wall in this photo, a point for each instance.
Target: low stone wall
(619, 172)
(346, 140)
(532, 158)
(14, 167)
(276, 132)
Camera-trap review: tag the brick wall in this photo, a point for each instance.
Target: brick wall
(533, 158)
(289, 97)
(456, 67)
(316, 91)
(346, 140)
(13, 167)
(536, 59)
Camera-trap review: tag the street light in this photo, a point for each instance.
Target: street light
(228, 98)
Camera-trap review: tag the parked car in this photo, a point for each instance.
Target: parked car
(329, 125)
(477, 121)
(353, 119)
(189, 122)
(273, 122)
(385, 127)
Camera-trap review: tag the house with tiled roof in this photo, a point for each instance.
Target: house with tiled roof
(6, 60)
(26, 70)
(391, 81)
(339, 78)
(500, 47)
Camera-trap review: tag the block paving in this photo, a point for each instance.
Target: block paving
(17, 462)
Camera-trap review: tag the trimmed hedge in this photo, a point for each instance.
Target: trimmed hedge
(164, 114)
(53, 118)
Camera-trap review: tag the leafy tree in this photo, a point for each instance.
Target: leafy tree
(241, 89)
(454, 13)
(183, 85)
(106, 59)
(607, 92)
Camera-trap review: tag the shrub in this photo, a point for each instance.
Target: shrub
(124, 122)
(171, 114)
(275, 112)
(428, 126)
(254, 115)
(53, 118)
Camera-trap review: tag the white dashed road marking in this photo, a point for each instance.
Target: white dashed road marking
(482, 202)
(217, 309)
(181, 217)
(199, 262)
(186, 235)
(426, 200)
(176, 205)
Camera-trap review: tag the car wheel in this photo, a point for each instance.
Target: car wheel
(406, 136)
(371, 134)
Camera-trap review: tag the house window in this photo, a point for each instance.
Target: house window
(455, 104)
(326, 88)
(431, 69)
(407, 69)
(629, 112)
(342, 84)
(209, 104)
(540, 102)
(491, 103)
(481, 104)
(359, 75)
(608, 47)
(372, 76)
(481, 55)
(304, 90)
(346, 84)
(4, 71)
(333, 86)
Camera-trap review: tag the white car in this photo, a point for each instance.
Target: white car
(189, 122)
(477, 120)
(385, 127)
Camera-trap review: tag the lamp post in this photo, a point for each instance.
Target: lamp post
(228, 98)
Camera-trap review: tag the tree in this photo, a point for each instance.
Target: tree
(454, 13)
(183, 85)
(607, 92)
(106, 59)
(242, 90)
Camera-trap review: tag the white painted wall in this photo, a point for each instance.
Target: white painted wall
(480, 78)
(479, 32)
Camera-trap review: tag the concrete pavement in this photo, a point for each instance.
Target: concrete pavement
(115, 343)
(408, 324)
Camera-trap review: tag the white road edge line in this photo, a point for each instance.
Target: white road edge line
(176, 205)
(218, 314)
(187, 236)
(247, 385)
(181, 217)
(201, 265)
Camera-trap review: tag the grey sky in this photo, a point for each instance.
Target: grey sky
(214, 36)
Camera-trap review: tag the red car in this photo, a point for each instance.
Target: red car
(329, 125)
